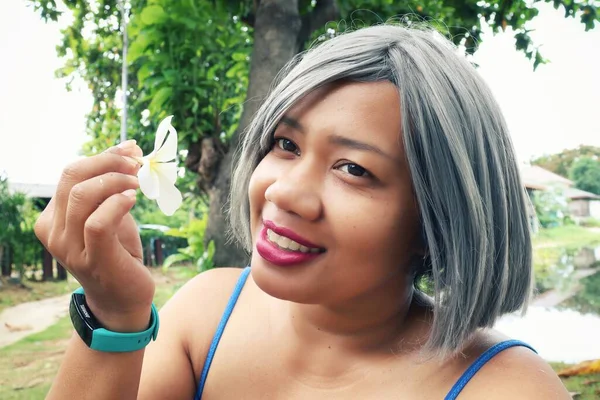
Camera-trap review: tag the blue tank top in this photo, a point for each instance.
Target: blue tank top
(452, 394)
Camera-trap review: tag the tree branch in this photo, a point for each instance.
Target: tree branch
(324, 11)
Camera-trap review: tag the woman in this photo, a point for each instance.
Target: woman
(380, 157)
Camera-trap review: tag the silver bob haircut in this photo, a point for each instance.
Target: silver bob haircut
(473, 207)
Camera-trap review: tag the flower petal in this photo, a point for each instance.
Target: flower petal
(169, 170)
(161, 132)
(170, 198)
(149, 182)
(168, 151)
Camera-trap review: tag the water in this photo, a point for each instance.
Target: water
(563, 324)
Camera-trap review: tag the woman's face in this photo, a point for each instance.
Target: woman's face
(333, 215)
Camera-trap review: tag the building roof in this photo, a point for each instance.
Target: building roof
(34, 190)
(577, 194)
(536, 177)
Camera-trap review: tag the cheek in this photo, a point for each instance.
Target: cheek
(374, 228)
(261, 179)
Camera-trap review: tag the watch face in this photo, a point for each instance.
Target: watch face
(83, 320)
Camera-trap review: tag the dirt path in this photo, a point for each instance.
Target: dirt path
(554, 297)
(27, 318)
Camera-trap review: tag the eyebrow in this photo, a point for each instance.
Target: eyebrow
(339, 140)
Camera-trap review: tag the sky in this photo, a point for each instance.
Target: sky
(42, 126)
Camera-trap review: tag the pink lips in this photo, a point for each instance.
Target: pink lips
(275, 255)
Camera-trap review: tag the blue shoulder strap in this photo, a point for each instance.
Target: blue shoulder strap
(215, 342)
(480, 362)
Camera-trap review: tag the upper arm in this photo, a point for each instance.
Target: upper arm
(518, 374)
(191, 315)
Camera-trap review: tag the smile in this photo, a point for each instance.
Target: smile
(286, 243)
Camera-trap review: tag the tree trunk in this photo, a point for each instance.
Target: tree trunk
(61, 272)
(158, 252)
(4, 264)
(47, 273)
(276, 29)
(279, 34)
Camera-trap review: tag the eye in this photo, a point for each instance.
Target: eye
(286, 145)
(354, 170)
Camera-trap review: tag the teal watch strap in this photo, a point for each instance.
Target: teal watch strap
(101, 339)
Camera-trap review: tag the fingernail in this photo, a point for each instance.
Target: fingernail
(130, 193)
(127, 144)
(131, 161)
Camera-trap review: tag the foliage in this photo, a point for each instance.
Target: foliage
(553, 252)
(186, 58)
(190, 58)
(550, 206)
(10, 219)
(561, 163)
(17, 219)
(587, 300)
(590, 222)
(195, 252)
(146, 211)
(585, 172)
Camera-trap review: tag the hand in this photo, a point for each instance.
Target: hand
(88, 228)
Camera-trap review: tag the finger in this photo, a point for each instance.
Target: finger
(101, 227)
(44, 223)
(86, 196)
(113, 160)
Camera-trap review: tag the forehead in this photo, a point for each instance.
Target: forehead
(366, 108)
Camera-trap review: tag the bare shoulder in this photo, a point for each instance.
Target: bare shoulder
(212, 283)
(187, 324)
(516, 373)
(204, 297)
(196, 309)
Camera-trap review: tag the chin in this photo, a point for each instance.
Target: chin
(284, 283)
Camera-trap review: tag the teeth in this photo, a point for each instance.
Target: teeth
(288, 244)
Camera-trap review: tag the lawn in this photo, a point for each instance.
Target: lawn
(11, 294)
(553, 249)
(569, 236)
(28, 366)
(587, 387)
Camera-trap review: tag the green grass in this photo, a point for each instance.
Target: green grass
(588, 386)
(12, 294)
(551, 245)
(28, 366)
(570, 236)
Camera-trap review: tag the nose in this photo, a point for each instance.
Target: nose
(296, 191)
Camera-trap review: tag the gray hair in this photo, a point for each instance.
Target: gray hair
(472, 204)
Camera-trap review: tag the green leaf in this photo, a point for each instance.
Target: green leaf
(239, 56)
(159, 99)
(153, 14)
(175, 258)
(137, 48)
(144, 72)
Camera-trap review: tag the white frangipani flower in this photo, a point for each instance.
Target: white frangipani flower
(158, 173)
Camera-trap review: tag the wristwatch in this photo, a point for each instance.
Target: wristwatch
(98, 338)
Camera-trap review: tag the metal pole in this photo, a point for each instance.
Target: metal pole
(124, 72)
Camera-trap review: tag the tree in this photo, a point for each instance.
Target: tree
(585, 172)
(10, 221)
(200, 59)
(18, 244)
(561, 163)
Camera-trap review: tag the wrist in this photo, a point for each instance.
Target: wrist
(121, 319)
(110, 331)
(136, 321)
